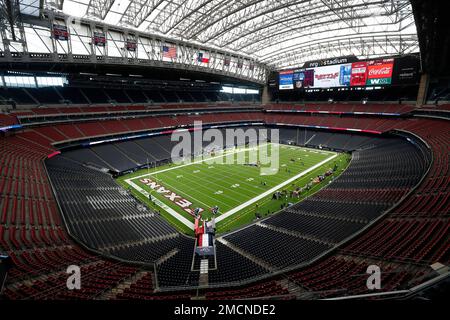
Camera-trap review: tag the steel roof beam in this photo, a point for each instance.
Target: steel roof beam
(363, 47)
(285, 16)
(138, 11)
(291, 26)
(259, 41)
(99, 8)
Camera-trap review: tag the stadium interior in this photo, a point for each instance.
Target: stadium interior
(91, 92)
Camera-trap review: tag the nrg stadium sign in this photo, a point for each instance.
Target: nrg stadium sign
(327, 62)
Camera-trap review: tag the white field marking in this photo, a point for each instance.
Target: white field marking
(213, 183)
(262, 195)
(165, 207)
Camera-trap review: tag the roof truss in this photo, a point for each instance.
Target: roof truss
(263, 28)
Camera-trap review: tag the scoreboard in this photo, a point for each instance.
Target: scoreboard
(350, 72)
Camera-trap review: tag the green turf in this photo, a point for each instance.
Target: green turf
(230, 185)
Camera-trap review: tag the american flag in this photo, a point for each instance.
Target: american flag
(169, 52)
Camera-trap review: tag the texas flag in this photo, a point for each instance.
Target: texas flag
(203, 57)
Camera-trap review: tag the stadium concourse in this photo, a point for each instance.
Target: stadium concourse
(410, 209)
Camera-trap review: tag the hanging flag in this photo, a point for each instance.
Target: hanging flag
(226, 62)
(60, 32)
(169, 52)
(203, 57)
(240, 64)
(99, 39)
(131, 45)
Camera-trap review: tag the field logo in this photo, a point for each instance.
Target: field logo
(172, 197)
(74, 280)
(374, 280)
(252, 147)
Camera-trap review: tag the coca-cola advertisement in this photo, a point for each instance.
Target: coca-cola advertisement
(379, 72)
(359, 74)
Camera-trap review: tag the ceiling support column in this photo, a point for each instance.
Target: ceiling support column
(423, 90)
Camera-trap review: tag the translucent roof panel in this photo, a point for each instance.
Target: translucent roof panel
(280, 33)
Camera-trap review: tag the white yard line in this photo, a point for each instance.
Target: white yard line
(262, 195)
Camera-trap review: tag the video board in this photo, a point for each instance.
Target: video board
(352, 73)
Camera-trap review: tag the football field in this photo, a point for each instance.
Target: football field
(232, 182)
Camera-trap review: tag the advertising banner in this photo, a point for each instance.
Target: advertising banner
(376, 72)
(358, 74)
(379, 72)
(406, 70)
(327, 77)
(345, 75)
(286, 80)
(303, 78)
